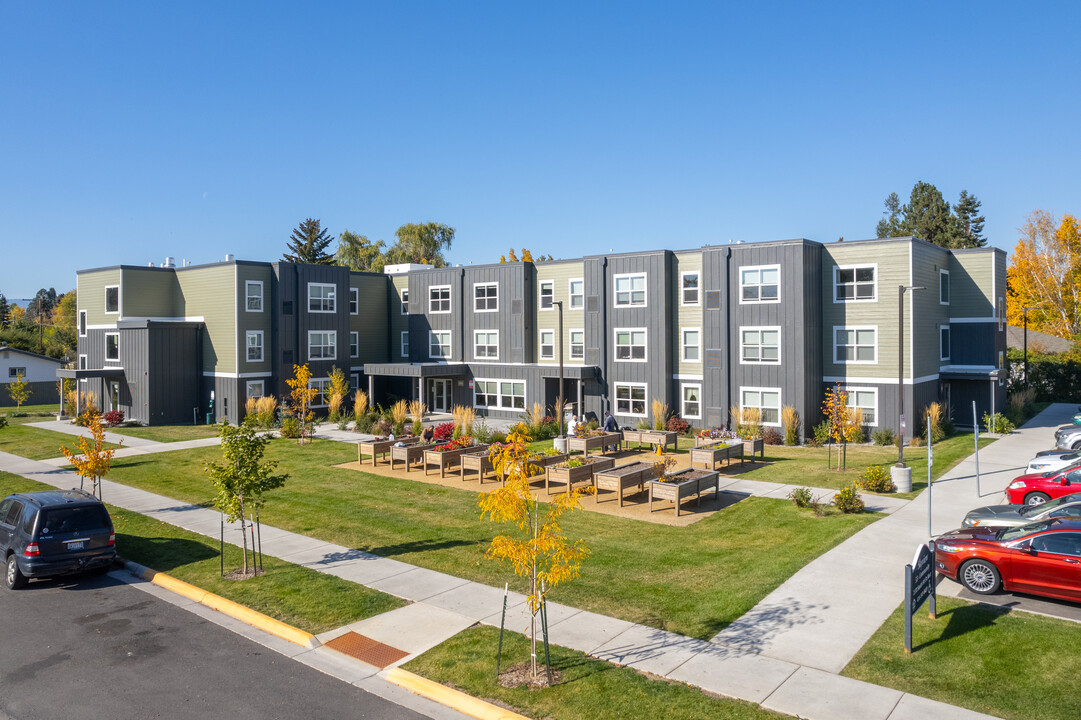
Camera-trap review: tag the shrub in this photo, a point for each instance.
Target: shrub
(290, 427)
(1021, 404)
(801, 496)
(364, 423)
(114, 417)
(998, 423)
(848, 500)
(660, 414)
(3, 422)
(383, 426)
(821, 433)
(790, 418)
(932, 417)
(498, 437)
(771, 436)
(482, 433)
(876, 478)
(644, 425)
(444, 431)
(916, 442)
(883, 437)
(678, 425)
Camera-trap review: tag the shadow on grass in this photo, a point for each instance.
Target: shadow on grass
(162, 553)
(963, 620)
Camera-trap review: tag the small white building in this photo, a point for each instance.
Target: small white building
(38, 370)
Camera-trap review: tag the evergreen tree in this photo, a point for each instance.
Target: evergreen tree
(5, 311)
(308, 244)
(970, 224)
(929, 217)
(890, 226)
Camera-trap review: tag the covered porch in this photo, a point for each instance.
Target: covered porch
(109, 381)
(440, 386)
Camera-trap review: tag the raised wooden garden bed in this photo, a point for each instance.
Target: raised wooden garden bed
(409, 454)
(758, 445)
(707, 457)
(682, 485)
(651, 437)
(595, 442)
(444, 459)
(557, 474)
(620, 478)
(375, 448)
(477, 462)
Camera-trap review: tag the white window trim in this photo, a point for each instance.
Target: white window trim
(403, 297)
(683, 401)
(354, 339)
(82, 323)
(248, 296)
(248, 385)
(949, 285)
(944, 351)
(323, 285)
(645, 290)
(13, 372)
(450, 300)
(760, 328)
(312, 382)
(499, 395)
(854, 328)
(106, 353)
(698, 274)
(354, 299)
(571, 295)
(853, 388)
(449, 343)
(570, 337)
(119, 305)
(645, 346)
(683, 344)
(615, 401)
(486, 284)
(262, 348)
(540, 295)
(403, 346)
(760, 268)
(486, 357)
(780, 401)
(333, 334)
(540, 345)
(836, 273)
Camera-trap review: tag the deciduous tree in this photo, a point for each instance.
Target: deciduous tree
(308, 244)
(1045, 274)
(358, 253)
(19, 390)
(424, 243)
(91, 458)
(302, 395)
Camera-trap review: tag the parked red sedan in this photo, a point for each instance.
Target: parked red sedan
(1038, 488)
(1043, 558)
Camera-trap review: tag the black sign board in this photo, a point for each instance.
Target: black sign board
(919, 586)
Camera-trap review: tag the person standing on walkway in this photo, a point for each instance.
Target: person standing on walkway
(610, 426)
(572, 426)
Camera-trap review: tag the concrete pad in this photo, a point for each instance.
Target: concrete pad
(474, 600)
(650, 649)
(418, 584)
(519, 617)
(739, 675)
(756, 487)
(336, 664)
(914, 707)
(586, 631)
(817, 695)
(414, 629)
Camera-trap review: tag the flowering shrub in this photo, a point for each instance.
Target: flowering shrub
(444, 431)
(771, 436)
(462, 442)
(876, 479)
(114, 417)
(678, 424)
(848, 500)
(717, 434)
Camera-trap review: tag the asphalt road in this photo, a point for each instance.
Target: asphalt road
(97, 648)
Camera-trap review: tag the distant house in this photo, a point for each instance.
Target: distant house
(1038, 342)
(38, 370)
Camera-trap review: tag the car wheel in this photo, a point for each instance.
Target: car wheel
(980, 577)
(1036, 498)
(13, 576)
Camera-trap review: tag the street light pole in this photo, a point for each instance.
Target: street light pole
(901, 370)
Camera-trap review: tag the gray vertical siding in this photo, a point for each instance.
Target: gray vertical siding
(508, 321)
(422, 321)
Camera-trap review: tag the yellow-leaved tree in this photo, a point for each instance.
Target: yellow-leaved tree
(845, 423)
(539, 551)
(302, 395)
(91, 458)
(1045, 275)
(19, 390)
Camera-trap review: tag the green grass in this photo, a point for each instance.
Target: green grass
(590, 689)
(1007, 664)
(35, 443)
(34, 413)
(692, 580)
(302, 597)
(169, 433)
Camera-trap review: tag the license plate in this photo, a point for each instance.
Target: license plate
(76, 545)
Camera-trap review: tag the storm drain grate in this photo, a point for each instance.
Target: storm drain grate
(365, 649)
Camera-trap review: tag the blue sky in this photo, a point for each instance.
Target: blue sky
(134, 131)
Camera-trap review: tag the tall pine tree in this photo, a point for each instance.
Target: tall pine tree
(308, 244)
(969, 222)
(929, 217)
(5, 311)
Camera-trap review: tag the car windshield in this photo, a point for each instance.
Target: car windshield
(1049, 505)
(1011, 534)
(74, 519)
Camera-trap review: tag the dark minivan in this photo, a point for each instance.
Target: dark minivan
(54, 532)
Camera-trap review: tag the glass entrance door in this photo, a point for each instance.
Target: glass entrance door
(439, 395)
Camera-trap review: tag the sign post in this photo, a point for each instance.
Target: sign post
(976, 448)
(919, 587)
(930, 462)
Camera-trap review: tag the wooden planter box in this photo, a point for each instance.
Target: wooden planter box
(478, 462)
(707, 457)
(408, 454)
(447, 458)
(694, 483)
(634, 436)
(650, 437)
(597, 442)
(570, 476)
(754, 446)
(620, 478)
(375, 448)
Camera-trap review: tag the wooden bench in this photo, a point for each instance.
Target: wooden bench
(571, 475)
(682, 485)
(618, 479)
(382, 447)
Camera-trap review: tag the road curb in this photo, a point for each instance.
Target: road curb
(454, 699)
(228, 607)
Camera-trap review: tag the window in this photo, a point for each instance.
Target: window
(1059, 543)
(254, 343)
(404, 294)
(1001, 312)
(578, 345)
(486, 297)
(439, 344)
(547, 344)
(82, 362)
(82, 323)
(287, 307)
(112, 299)
(322, 297)
(354, 380)
(255, 388)
(503, 394)
(760, 345)
(112, 346)
(512, 395)
(855, 345)
(322, 345)
(866, 399)
(547, 294)
(631, 345)
(631, 399)
(766, 400)
(486, 344)
(439, 299)
(405, 343)
(691, 342)
(630, 290)
(944, 287)
(486, 393)
(354, 344)
(855, 283)
(16, 372)
(577, 291)
(760, 284)
(692, 401)
(354, 301)
(688, 284)
(253, 295)
(944, 342)
(321, 386)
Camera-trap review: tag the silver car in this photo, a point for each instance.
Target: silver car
(1053, 460)
(1067, 506)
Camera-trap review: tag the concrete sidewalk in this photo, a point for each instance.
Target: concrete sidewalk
(66, 427)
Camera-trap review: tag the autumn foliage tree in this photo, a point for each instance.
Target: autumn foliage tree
(91, 458)
(301, 396)
(1045, 275)
(19, 390)
(845, 423)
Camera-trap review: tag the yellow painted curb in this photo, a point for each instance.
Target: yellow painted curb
(474, 707)
(178, 586)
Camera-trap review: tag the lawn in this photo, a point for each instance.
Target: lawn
(306, 598)
(32, 413)
(693, 580)
(590, 689)
(168, 433)
(35, 443)
(1008, 664)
